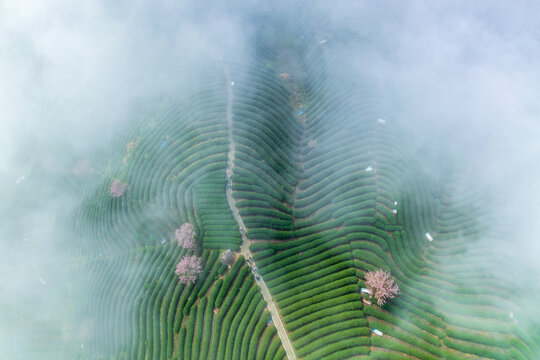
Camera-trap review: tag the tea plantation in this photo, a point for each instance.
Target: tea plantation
(328, 188)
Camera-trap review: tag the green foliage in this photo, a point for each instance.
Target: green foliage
(319, 219)
(228, 281)
(471, 348)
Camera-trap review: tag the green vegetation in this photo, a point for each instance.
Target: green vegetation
(317, 218)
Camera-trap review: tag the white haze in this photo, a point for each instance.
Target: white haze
(71, 74)
(466, 80)
(463, 76)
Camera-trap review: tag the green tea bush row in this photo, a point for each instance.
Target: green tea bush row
(469, 348)
(306, 281)
(387, 343)
(297, 304)
(408, 322)
(255, 319)
(325, 283)
(228, 281)
(408, 338)
(201, 309)
(332, 302)
(502, 343)
(312, 271)
(265, 342)
(340, 346)
(312, 257)
(237, 313)
(359, 324)
(331, 311)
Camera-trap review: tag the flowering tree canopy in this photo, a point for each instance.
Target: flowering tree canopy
(185, 236)
(188, 269)
(118, 188)
(227, 258)
(381, 285)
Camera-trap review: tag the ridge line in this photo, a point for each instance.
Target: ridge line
(244, 248)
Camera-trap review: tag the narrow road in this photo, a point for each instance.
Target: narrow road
(244, 248)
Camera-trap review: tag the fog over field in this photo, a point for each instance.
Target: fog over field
(464, 80)
(460, 79)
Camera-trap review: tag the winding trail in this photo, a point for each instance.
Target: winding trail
(244, 248)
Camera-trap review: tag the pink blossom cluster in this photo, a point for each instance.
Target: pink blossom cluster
(188, 269)
(185, 236)
(118, 188)
(381, 285)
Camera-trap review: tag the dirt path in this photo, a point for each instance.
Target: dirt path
(244, 248)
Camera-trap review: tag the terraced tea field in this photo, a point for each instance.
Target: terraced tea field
(327, 188)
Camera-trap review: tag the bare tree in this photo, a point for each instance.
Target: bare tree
(186, 236)
(381, 285)
(188, 269)
(130, 146)
(227, 258)
(118, 188)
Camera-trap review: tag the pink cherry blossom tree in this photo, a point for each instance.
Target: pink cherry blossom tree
(186, 236)
(188, 269)
(381, 285)
(118, 188)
